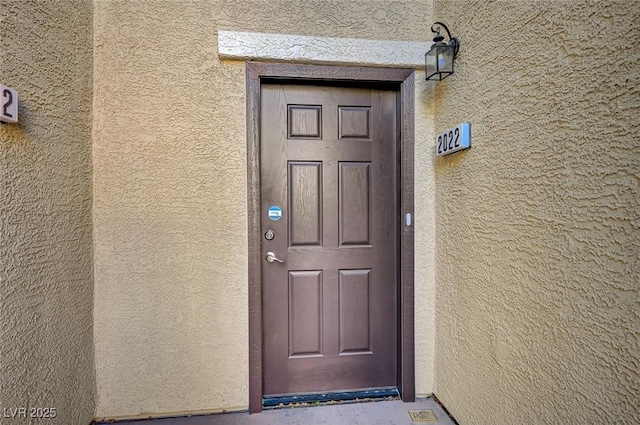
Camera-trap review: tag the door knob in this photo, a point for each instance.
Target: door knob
(271, 257)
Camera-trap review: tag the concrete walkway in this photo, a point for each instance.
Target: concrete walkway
(373, 413)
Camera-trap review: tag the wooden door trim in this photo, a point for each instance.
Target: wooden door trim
(257, 73)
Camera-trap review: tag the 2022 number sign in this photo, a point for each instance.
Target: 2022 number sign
(454, 140)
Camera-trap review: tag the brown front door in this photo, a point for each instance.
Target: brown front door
(329, 213)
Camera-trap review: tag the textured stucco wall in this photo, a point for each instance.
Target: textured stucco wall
(425, 241)
(538, 224)
(170, 218)
(46, 272)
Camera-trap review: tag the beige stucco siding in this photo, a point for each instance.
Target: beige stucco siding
(46, 270)
(538, 224)
(425, 241)
(170, 220)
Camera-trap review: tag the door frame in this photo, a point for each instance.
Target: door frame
(258, 73)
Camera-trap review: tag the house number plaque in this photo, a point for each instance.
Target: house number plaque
(8, 104)
(454, 140)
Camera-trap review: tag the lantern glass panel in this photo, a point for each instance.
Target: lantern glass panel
(445, 60)
(431, 63)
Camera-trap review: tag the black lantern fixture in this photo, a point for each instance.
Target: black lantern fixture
(439, 60)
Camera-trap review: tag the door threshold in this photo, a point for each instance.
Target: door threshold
(335, 397)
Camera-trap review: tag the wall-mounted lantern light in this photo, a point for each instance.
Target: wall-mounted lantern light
(439, 60)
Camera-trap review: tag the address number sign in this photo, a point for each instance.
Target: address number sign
(8, 104)
(454, 139)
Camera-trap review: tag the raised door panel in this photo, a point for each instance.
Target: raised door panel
(304, 121)
(355, 311)
(355, 203)
(354, 122)
(305, 313)
(305, 203)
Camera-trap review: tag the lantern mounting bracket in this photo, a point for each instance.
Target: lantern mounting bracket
(453, 41)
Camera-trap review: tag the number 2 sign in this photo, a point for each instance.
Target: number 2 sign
(454, 139)
(8, 104)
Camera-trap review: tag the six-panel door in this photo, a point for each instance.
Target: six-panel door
(328, 164)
